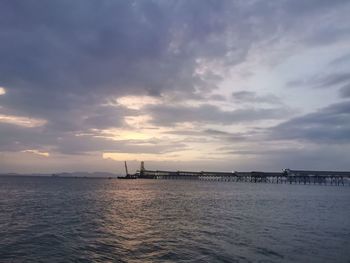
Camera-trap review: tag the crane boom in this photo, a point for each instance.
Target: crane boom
(126, 168)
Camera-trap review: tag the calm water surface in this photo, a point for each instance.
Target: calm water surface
(101, 220)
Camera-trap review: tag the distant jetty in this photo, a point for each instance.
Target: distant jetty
(286, 176)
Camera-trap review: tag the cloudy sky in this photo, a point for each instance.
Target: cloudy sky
(197, 85)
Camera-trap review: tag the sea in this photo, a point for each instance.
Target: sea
(54, 219)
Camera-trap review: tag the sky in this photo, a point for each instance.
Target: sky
(182, 85)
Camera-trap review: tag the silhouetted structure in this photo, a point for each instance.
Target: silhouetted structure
(286, 176)
(127, 175)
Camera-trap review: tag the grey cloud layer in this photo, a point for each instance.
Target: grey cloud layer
(328, 125)
(16, 138)
(168, 115)
(252, 97)
(62, 61)
(339, 80)
(345, 91)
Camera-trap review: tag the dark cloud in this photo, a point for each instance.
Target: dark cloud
(113, 46)
(228, 136)
(107, 117)
(51, 50)
(328, 125)
(165, 115)
(298, 7)
(345, 91)
(340, 60)
(217, 132)
(17, 138)
(210, 133)
(334, 80)
(217, 97)
(339, 80)
(61, 60)
(325, 32)
(252, 97)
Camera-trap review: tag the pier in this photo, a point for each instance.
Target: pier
(287, 176)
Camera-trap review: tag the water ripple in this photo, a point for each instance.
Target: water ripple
(84, 220)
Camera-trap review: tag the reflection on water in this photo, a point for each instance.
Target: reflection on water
(97, 220)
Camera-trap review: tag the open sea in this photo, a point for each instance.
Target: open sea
(45, 219)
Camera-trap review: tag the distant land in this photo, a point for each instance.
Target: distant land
(64, 174)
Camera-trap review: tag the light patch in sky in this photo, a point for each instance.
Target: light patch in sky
(136, 157)
(258, 74)
(22, 121)
(37, 152)
(137, 102)
(119, 134)
(2, 91)
(138, 121)
(187, 155)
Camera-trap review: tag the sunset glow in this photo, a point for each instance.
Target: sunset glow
(2, 91)
(137, 102)
(45, 154)
(21, 121)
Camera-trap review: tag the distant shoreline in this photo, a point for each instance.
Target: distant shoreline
(65, 175)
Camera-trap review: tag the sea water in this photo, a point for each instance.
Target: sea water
(45, 219)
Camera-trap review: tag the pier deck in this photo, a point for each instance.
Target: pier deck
(287, 176)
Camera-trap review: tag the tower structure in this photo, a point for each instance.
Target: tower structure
(142, 169)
